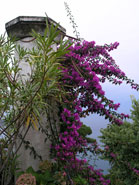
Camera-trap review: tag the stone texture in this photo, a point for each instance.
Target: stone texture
(22, 26)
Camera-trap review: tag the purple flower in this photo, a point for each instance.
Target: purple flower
(113, 155)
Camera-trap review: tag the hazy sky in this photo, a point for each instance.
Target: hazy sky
(104, 21)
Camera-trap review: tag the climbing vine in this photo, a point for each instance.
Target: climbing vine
(86, 66)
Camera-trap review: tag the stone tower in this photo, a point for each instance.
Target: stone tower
(21, 28)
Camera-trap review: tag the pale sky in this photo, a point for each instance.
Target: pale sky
(103, 21)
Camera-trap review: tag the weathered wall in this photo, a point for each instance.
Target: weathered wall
(35, 137)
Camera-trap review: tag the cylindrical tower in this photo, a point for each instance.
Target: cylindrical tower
(21, 28)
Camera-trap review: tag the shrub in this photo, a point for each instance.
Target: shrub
(121, 145)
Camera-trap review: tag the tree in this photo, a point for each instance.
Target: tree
(121, 145)
(22, 100)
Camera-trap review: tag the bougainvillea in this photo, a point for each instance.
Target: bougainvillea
(85, 67)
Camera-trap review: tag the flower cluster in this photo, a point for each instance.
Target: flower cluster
(70, 141)
(27, 179)
(136, 171)
(87, 65)
(99, 179)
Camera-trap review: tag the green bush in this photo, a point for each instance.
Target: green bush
(121, 145)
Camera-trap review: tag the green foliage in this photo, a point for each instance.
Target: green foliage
(80, 181)
(49, 176)
(135, 110)
(122, 149)
(45, 165)
(84, 131)
(23, 96)
(12, 162)
(19, 95)
(41, 178)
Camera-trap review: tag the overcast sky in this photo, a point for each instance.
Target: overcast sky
(103, 21)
